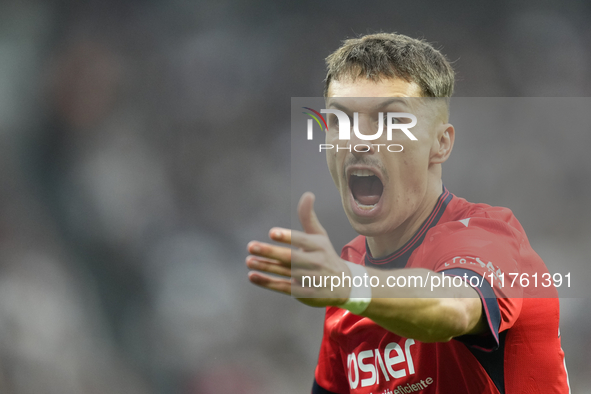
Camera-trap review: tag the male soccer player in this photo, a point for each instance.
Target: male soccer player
(476, 337)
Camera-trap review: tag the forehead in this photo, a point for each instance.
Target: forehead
(361, 87)
(363, 94)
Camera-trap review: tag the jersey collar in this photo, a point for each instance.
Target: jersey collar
(399, 258)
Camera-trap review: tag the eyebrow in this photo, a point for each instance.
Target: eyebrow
(383, 104)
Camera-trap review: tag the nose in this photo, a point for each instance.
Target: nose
(363, 125)
(361, 147)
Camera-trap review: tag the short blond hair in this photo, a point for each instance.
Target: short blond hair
(388, 55)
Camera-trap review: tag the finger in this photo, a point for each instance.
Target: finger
(308, 218)
(269, 282)
(267, 265)
(279, 234)
(270, 251)
(307, 242)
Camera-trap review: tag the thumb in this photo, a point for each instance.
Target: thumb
(308, 218)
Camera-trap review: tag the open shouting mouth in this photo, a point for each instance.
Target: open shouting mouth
(367, 187)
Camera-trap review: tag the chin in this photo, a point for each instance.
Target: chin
(367, 228)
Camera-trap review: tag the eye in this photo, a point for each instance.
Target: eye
(394, 120)
(332, 121)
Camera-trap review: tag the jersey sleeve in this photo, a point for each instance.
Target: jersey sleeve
(482, 252)
(329, 377)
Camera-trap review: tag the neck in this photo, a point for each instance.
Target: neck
(386, 244)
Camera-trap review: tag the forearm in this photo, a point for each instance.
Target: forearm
(422, 313)
(414, 312)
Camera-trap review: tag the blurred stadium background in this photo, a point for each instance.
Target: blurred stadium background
(144, 143)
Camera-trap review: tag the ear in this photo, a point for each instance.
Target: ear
(443, 143)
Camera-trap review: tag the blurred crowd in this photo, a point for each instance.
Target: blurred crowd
(144, 143)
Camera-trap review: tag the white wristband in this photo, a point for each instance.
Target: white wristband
(360, 297)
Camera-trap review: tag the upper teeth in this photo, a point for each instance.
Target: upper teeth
(362, 173)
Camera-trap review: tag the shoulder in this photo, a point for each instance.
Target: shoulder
(476, 235)
(469, 229)
(462, 215)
